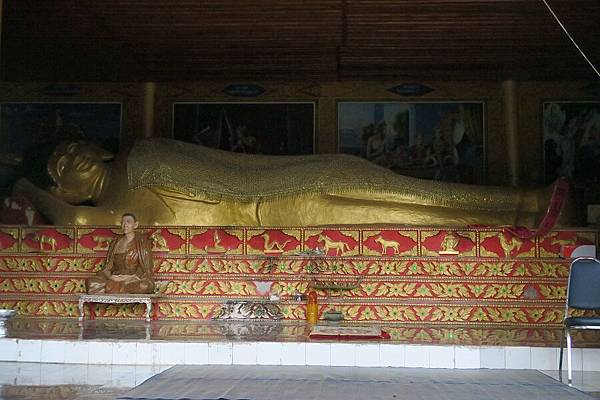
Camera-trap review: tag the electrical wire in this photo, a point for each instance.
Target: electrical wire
(571, 38)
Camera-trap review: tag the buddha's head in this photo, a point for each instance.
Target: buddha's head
(78, 170)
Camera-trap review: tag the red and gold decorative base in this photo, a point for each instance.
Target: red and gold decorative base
(404, 275)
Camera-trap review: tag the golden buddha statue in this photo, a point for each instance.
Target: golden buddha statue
(129, 264)
(176, 183)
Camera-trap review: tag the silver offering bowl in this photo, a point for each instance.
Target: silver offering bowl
(333, 316)
(5, 315)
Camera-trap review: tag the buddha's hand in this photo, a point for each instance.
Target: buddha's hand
(58, 211)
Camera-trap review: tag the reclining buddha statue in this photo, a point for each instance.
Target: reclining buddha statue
(174, 183)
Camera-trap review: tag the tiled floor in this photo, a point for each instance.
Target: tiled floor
(35, 381)
(588, 382)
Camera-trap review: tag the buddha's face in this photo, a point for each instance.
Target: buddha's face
(77, 169)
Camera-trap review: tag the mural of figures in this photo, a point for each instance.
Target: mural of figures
(571, 136)
(438, 140)
(253, 128)
(26, 124)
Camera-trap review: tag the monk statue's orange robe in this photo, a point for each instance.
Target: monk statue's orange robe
(128, 272)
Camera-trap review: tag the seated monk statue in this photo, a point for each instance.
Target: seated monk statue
(128, 263)
(176, 183)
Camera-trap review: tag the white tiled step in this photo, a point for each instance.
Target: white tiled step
(48, 374)
(288, 353)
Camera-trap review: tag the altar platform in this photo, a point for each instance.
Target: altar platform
(448, 298)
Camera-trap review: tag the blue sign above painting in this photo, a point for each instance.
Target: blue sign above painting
(592, 89)
(243, 90)
(410, 89)
(62, 90)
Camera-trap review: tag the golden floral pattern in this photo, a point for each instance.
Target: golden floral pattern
(42, 285)
(408, 314)
(42, 264)
(384, 275)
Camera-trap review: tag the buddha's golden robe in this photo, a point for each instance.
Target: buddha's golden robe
(331, 189)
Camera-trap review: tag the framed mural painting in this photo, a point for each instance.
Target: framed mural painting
(25, 125)
(571, 140)
(254, 128)
(432, 140)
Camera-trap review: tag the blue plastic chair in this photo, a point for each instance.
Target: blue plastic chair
(583, 293)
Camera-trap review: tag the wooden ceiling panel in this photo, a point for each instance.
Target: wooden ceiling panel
(453, 24)
(225, 22)
(295, 40)
(459, 38)
(278, 64)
